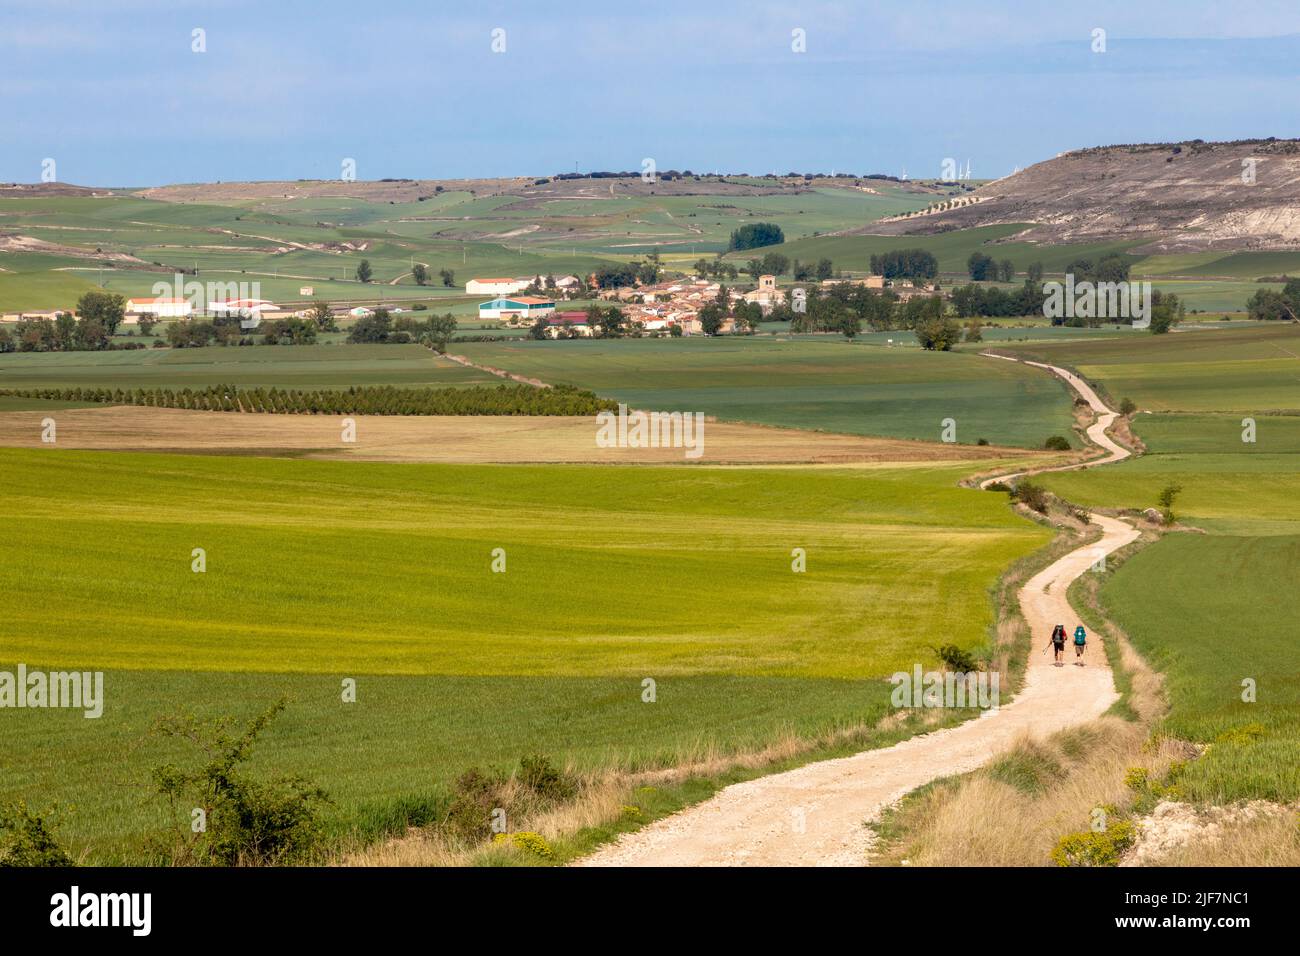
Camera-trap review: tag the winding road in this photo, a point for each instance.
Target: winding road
(814, 815)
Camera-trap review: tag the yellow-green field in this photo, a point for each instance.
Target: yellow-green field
(321, 571)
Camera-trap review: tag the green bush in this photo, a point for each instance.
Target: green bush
(478, 793)
(1166, 498)
(539, 776)
(1095, 848)
(1057, 443)
(1137, 779)
(249, 822)
(475, 796)
(959, 660)
(27, 839)
(1032, 495)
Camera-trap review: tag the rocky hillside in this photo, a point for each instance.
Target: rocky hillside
(1179, 196)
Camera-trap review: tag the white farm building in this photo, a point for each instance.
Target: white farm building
(505, 286)
(163, 307)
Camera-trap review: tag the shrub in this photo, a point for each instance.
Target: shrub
(1127, 407)
(248, 821)
(1057, 443)
(1166, 500)
(999, 486)
(1095, 848)
(982, 441)
(478, 793)
(1031, 495)
(475, 796)
(959, 660)
(27, 839)
(527, 841)
(539, 776)
(1137, 779)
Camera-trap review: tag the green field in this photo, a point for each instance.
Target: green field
(952, 249)
(1250, 369)
(227, 243)
(823, 384)
(320, 571)
(1211, 610)
(299, 366)
(283, 244)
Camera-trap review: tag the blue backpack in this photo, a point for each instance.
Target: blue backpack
(1080, 637)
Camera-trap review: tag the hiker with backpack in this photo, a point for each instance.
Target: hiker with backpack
(1057, 643)
(1080, 643)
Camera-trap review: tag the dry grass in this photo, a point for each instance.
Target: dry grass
(983, 820)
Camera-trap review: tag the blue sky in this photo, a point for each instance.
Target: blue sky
(114, 94)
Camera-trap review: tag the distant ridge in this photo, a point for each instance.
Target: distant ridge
(1179, 197)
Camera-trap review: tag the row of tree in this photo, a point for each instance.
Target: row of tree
(754, 235)
(905, 264)
(419, 272)
(357, 400)
(776, 264)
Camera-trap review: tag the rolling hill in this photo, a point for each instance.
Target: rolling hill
(1173, 197)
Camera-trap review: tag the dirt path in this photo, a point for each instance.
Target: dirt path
(814, 815)
(1096, 432)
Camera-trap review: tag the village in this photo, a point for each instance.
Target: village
(549, 306)
(670, 307)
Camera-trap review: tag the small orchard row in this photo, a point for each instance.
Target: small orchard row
(356, 400)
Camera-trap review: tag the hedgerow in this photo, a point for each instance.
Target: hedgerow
(356, 400)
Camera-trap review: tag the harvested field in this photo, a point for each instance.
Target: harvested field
(508, 439)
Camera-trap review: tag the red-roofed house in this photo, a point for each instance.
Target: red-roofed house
(574, 323)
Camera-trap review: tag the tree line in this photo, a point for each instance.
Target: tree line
(1271, 305)
(99, 314)
(356, 400)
